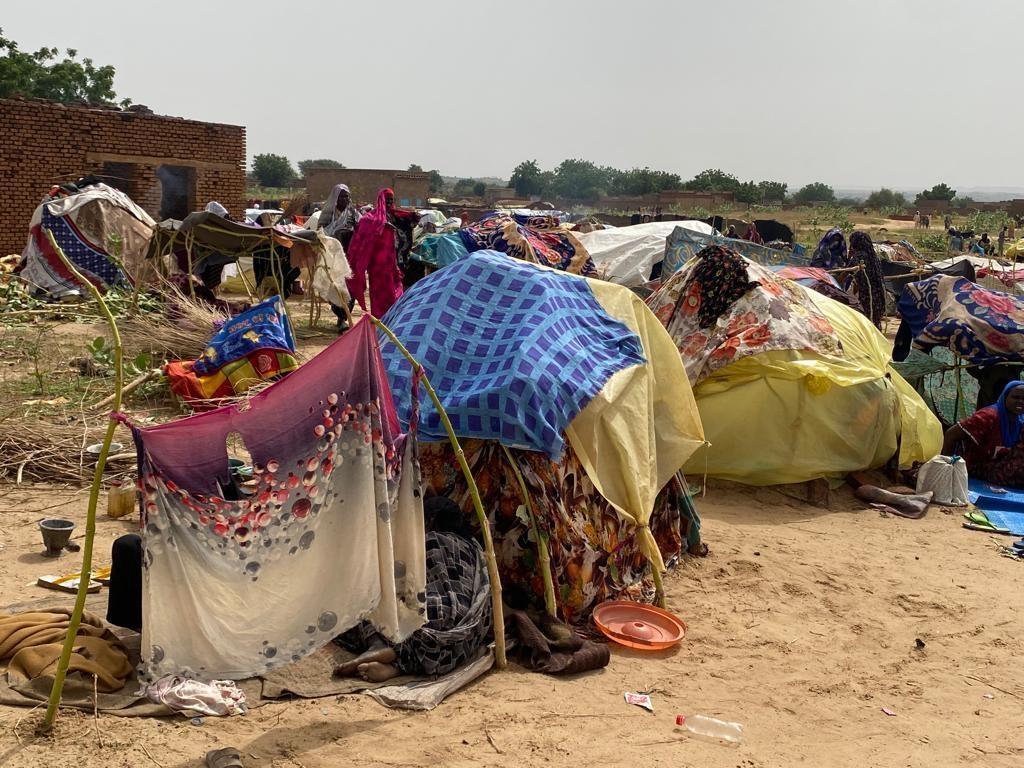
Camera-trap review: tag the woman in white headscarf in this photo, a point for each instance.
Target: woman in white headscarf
(338, 219)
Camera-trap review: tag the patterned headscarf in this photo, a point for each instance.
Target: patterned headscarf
(831, 251)
(1010, 425)
(721, 278)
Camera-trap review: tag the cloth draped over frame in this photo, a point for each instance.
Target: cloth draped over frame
(992, 447)
(254, 346)
(515, 351)
(536, 239)
(85, 226)
(719, 310)
(332, 535)
(866, 284)
(685, 242)
(980, 325)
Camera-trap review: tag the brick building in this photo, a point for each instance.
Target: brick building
(170, 166)
(412, 188)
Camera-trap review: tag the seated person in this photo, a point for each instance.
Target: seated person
(990, 440)
(458, 609)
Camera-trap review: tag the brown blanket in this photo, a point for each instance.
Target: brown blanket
(30, 645)
(554, 647)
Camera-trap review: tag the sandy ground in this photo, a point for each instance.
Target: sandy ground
(802, 626)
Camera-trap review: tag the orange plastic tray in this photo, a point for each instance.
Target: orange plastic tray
(639, 626)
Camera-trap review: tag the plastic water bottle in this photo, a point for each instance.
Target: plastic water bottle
(711, 729)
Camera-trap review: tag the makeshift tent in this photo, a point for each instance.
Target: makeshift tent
(534, 238)
(791, 385)
(102, 232)
(683, 244)
(535, 359)
(626, 255)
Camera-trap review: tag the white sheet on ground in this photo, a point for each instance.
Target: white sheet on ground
(625, 255)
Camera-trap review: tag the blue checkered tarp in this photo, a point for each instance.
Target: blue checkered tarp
(514, 351)
(91, 261)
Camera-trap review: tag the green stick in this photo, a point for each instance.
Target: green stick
(94, 494)
(543, 555)
(485, 528)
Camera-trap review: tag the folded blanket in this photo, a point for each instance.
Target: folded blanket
(30, 645)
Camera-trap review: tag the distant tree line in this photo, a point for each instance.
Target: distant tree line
(272, 170)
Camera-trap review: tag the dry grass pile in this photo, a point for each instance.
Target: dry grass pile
(179, 333)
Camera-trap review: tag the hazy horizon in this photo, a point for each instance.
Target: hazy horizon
(860, 95)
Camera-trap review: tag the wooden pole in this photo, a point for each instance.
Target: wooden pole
(75, 619)
(474, 492)
(543, 555)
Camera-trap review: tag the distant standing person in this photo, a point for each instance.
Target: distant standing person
(338, 219)
(1002, 240)
(947, 222)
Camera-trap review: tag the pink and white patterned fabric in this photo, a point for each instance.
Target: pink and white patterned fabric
(332, 535)
(774, 315)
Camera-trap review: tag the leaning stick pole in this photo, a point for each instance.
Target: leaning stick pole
(474, 492)
(94, 494)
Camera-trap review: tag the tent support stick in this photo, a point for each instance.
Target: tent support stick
(474, 491)
(543, 555)
(75, 619)
(659, 586)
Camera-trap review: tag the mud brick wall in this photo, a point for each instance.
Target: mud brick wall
(412, 188)
(43, 143)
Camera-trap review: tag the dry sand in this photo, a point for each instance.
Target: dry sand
(802, 626)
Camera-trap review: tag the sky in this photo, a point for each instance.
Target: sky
(896, 93)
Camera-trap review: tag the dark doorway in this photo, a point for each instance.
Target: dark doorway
(177, 191)
(119, 176)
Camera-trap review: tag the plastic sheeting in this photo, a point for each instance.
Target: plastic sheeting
(626, 255)
(790, 416)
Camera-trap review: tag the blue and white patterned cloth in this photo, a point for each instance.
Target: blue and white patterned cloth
(514, 351)
(93, 262)
(683, 244)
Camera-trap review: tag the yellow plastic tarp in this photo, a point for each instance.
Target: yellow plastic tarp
(789, 416)
(641, 428)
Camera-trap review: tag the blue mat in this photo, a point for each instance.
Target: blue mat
(1005, 510)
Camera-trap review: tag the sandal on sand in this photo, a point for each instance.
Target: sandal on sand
(228, 757)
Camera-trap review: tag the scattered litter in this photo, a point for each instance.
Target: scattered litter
(640, 700)
(988, 695)
(889, 712)
(196, 721)
(919, 644)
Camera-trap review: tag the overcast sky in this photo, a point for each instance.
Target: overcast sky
(901, 93)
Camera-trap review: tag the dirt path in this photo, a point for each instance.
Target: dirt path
(802, 626)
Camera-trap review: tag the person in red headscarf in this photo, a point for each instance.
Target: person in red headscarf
(380, 244)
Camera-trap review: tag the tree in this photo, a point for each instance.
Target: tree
(479, 189)
(885, 198)
(305, 165)
(42, 75)
(527, 179)
(713, 180)
(436, 181)
(580, 180)
(772, 191)
(748, 192)
(415, 168)
(641, 181)
(938, 192)
(464, 187)
(273, 170)
(816, 192)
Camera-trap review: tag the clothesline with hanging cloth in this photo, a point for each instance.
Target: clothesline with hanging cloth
(333, 534)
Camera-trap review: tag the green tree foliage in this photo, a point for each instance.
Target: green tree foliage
(713, 180)
(305, 165)
(414, 168)
(436, 181)
(527, 179)
(938, 192)
(464, 187)
(885, 198)
(772, 191)
(272, 170)
(816, 192)
(640, 181)
(479, 189)
(44, 74)
(580, 180)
